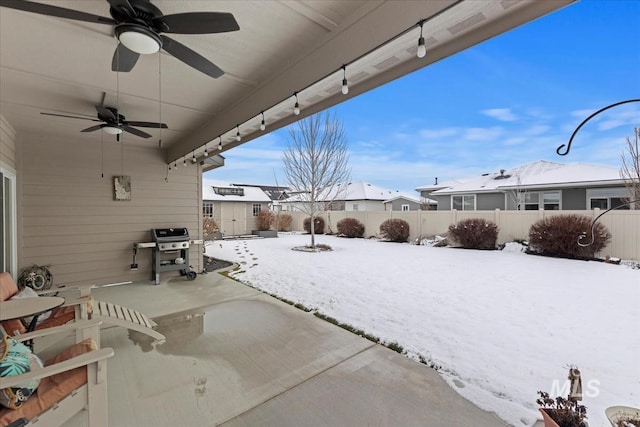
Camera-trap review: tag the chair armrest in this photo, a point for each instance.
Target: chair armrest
(70, 327)
(67, 365)
(78, 292)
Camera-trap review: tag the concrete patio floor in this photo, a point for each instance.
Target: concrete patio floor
(237, 357)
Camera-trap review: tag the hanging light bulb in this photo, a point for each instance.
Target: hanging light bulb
(262, 125)
(220, 143)
(345, 85)
(296, 108)
(422, 49)
(238, 137)
(193, 159)
(169, 165)
(184, 162)
(175, 164)
(206, 152)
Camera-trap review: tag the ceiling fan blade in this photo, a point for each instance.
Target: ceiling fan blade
(191, 58)
(135, 131)
(70, 117)
(123, 6)
(106, 113)
(94, 128)
(123, 59)
(146, 124)
(59, 12)
(199, 23)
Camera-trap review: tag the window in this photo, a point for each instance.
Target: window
(229, 191)
(607, 198)
(551, 201)
(207, 210)
(531, 201)
(405, 208)
(600, 203)
(355, 206)
(464, 203)
(257, 207)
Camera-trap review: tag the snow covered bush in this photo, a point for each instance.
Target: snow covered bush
(264, 219)
(350, 227)
(474, 233)
(283, 222)
(395, 230)
(318, 226)
(558, 236)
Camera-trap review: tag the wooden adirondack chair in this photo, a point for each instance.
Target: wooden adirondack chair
(72, 381)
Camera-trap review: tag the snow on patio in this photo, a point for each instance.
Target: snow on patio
(500, 324)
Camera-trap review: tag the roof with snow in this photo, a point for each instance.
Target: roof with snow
(541, 174)
(362, 191)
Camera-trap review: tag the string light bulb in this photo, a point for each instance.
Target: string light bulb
(422, 49)
(175, 164)
(220, 143)
(206, 152)
(238, 137)
(262, 125)
(296, 108)
(345, 85)
(193, 158)
(184, 162)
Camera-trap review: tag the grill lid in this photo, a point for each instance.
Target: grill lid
(169, 234)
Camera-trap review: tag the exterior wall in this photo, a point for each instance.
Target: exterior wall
(364, 205)
(396, 205)
(574, 199)
(235, 218)
(623, 225)
(444, 203)
(70, 220)
(490, 201)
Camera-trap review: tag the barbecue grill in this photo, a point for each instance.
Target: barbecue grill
(171, 252)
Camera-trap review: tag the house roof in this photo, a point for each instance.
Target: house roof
(250, 194)
(411, 198)
(540, 174)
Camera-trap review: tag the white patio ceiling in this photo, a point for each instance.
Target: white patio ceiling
(62, 66)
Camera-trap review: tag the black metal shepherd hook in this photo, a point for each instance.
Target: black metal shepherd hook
(593, 224)
(558, 150)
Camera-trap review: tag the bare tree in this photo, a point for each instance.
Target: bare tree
(316, 162)
(630, 169)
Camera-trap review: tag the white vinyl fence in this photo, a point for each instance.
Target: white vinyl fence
(624, 226)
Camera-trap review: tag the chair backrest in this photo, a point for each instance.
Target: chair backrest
(8, 287)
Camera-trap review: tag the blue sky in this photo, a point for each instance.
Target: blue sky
(509, 101)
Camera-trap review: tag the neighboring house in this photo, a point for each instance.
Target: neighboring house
(233, 207)
(407, 202)
(540, 185)
(354, 196)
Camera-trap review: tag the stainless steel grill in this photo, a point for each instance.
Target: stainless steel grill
(171, 252)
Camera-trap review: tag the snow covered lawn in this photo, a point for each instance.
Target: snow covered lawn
(501, 324)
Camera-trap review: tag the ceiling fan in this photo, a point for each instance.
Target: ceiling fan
(114, 123)
(138, 25)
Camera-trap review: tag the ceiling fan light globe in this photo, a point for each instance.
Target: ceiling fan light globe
(111, 130)
(138, 39)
